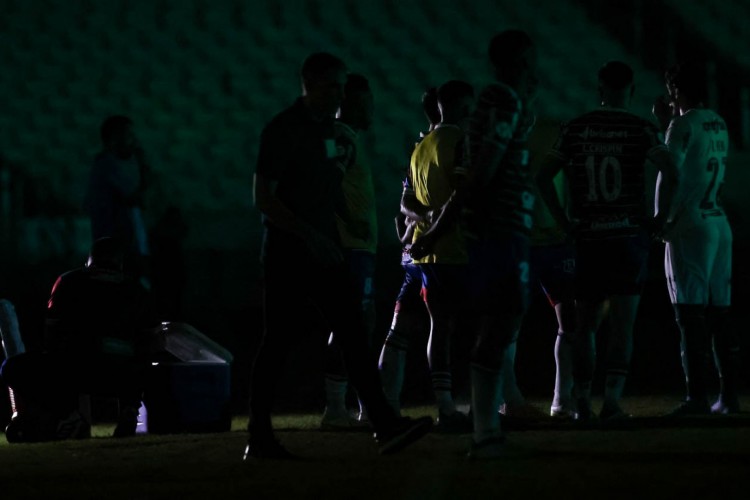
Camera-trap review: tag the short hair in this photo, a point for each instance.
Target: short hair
(113, 125)
(430, 105)
(106, 253)
(320, 63)
(452, 92)
(506, 47)
(691, 80)
(356, 83)
(616, 75)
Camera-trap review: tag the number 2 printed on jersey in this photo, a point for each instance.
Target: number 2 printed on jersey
(711, 199)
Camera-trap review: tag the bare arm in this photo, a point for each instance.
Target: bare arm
(667, 185)
(404, 229)
(413, 209)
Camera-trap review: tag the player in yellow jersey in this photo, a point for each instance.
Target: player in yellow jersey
(358, 231)
(443, 264)
(392, 362)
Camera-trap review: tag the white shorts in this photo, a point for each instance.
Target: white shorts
(698, 264)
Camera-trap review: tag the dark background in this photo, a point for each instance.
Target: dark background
(201, 78)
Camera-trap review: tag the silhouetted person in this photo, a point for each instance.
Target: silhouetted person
(298, 190)
(359, 239)
(605, 153)
(114, 200)
(96, 341)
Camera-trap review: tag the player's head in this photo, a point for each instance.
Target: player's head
(323, 79)
(117, 136)
(513, 58)
(106, 253)
(616, 85)
(687, 85)
(455, 100)
(358, 105)
(430, 106)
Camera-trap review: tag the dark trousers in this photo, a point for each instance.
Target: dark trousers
(287, 283)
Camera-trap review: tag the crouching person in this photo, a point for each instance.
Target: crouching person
(98, 330)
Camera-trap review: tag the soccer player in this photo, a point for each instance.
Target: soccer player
(392, 362)
(297, 187)
(494, 197)
(698, 255)
(605, 153)
(442, 264)
(359, 239)
(553, 267)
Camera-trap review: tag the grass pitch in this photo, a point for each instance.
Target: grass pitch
(706, 459)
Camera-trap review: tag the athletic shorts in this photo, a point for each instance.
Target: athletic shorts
(498, 275)
(553, 266)
(409, 296)
(615, 266)
(698, 264)
(443, 285)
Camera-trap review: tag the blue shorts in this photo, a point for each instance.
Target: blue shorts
(498, 275)
(615, 266)
(443, 284)
(409, 296)
(553, 266)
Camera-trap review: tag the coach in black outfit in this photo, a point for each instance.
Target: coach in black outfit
(297, 187)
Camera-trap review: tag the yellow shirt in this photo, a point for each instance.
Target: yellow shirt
(359, 194)
(432, 166)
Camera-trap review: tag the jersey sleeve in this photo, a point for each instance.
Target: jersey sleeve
(491, 128)
(679, 135)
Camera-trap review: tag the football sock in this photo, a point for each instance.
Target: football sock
(392, 367)
(511, 393)
(563, 372)
(336, 395)
(695, 343)
(613, 388)
(485, 400)
(442, 384)
(726, 343)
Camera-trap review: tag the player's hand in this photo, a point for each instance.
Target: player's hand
(422, 246)
(432, 215)
(660, 228)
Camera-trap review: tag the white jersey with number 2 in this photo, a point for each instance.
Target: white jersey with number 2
(698, 142)
(698, 253)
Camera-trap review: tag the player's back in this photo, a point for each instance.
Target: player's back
(607, 150)
(698, 142)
